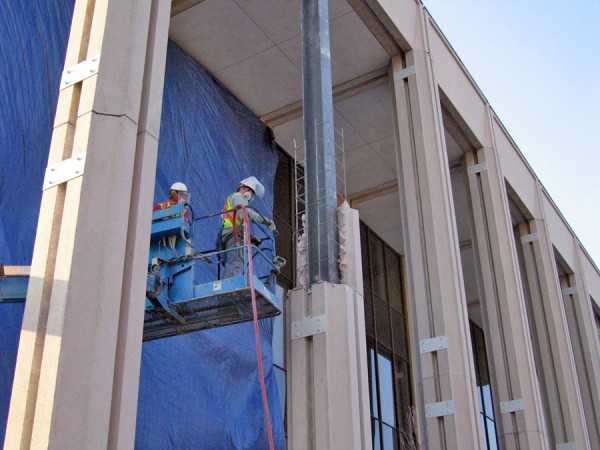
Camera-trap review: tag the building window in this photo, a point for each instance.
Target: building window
(283, 215)
(387, 342)
(279, 366)
(484, 390)
(596, 316)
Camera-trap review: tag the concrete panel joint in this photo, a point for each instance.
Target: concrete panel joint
(64, 171)
(405, 73)
(569, 291)
(80, 72)
(567, 446)
(511, 406)
(309, 327)
(529, 238)
(433, 344)
(477, 168)
(439, 409)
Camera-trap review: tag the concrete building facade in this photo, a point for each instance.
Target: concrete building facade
(469, 315)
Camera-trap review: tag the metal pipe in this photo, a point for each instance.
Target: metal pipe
(321, 204)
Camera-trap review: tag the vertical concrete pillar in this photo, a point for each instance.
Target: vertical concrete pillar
(517, 406)
(433, 257)
(584, 341)
(549, 323)
(79, 354)
(327, 382)
(352, 276)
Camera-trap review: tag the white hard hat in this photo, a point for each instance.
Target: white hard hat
(254, 184)
(179, 186)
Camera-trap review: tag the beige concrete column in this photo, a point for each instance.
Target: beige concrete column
(352, 276)
(433, 258)
(324, 395)
(517, 405)
(327, 381)
(79, 354)
(585, 345)
(561, 389)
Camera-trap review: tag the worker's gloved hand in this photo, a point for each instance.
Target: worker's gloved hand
(272, 227)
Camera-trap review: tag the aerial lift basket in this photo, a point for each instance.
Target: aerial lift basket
(175, 305)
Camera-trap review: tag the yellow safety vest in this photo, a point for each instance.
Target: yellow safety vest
(229, 217)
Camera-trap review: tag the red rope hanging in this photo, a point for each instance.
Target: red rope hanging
(256, 333)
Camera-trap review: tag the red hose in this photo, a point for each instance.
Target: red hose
(256, 333)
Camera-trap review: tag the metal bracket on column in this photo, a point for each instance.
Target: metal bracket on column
(433, 344)
(64, 171)
(309, 327)
(569, 291)
(567, 446)
(512, 406)
(529, 238)
(80, 72)
(439, 409)
(477, 168)
(405, 73)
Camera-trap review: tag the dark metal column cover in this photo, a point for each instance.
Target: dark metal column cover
(320, 145)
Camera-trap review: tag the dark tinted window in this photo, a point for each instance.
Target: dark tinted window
(387, 339)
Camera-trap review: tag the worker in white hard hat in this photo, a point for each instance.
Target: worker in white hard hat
(178, 193)
(232, 234)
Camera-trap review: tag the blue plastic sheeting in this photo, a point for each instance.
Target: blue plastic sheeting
(202, 390)
(199, 390)
(33, 42)
(32, 52)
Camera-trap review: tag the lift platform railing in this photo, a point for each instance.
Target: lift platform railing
(175, 305)
(257, 240)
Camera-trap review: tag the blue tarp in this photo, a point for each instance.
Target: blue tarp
(199, 390)
(208, 381)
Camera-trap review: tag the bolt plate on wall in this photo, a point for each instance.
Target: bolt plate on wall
(64, 171)
(477, 168)
(308, 327)
(80, 72)
(569, 291)
(567, 446)
(439, 409)
(433, 344)
(529, 238)
(511, 406)
(405, 73)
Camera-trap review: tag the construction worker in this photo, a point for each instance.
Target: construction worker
(177, 194)
(232, 235)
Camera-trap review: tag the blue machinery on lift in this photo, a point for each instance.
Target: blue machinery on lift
(174, 304)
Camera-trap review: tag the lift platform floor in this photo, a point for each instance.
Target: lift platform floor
(215, 304)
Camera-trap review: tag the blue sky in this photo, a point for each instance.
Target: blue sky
(538, 64)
